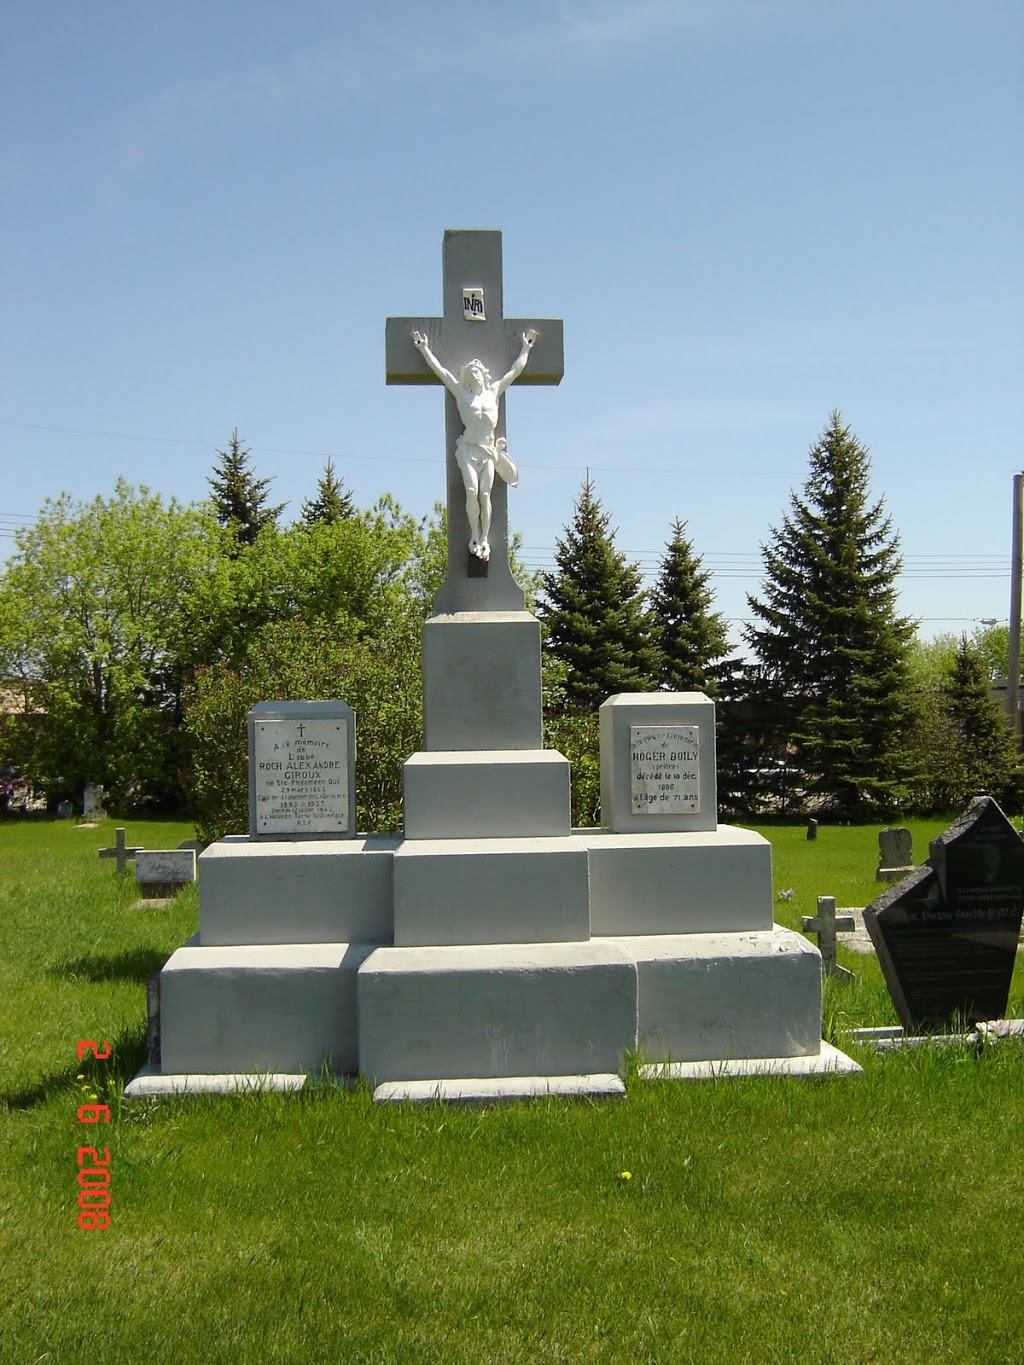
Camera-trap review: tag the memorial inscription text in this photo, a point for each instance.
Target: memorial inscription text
(665, 769)
(301, 774)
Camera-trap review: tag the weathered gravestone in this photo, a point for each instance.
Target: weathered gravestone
(946, 935)
(162, 872)
(895, 855)
(92, 802)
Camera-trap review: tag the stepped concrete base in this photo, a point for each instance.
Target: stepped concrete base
(684, 883)
(828, 1061)
(481, 681)
(486, 1012)
(481, 794)
(267, 1008)
(491, 891)
(483, 1091)
(320, 891)
(726, 997)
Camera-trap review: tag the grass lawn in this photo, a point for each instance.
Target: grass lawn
(877, 1218)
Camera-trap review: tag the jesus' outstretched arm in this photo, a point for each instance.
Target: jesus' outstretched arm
(529, 341)
(446, 377)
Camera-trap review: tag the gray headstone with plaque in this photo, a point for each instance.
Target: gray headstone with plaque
(658, 762)
(302, 770)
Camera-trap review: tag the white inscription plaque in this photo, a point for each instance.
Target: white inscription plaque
(473, 305)
(301, 774)
(664, 769)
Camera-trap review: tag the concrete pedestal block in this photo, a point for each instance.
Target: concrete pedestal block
(710, 882)
(485, 794)
(491, 891)
(272, 1008)
(324, 891)
(481, 681)
(723, 997)
(451, 1013)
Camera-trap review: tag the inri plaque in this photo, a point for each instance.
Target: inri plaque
(664, 769)
(301, 776)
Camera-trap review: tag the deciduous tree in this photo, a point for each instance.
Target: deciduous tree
(96, 632)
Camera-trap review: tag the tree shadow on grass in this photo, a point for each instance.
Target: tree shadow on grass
(134, 964)
(107, 1078)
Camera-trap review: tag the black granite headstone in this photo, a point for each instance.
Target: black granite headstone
(946, 935)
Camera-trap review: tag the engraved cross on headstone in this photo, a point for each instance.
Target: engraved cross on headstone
(473, 325)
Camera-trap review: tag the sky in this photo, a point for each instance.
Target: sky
(749, 213)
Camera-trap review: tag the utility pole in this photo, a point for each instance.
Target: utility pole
(1016, 574)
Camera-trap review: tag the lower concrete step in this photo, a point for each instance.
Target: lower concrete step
(726, 997)
(534, 1010)
(266, 1008)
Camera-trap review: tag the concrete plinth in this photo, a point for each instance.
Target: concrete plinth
(457, 1013)
(481, 681)
(726, 997)
(326, 891)
(273, 1008)
(490, 891)
(685, 883)
(483, 794)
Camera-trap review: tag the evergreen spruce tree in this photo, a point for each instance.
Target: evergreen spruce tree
(239, 497)
(596, 617)
(694, 640)
(987, 750)
(831, 649)
(332, 502)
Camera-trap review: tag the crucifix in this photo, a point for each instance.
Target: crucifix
(476, 352)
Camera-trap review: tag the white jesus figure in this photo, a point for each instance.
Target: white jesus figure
(478, 454)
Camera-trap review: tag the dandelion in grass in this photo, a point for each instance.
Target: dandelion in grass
(625, 1175)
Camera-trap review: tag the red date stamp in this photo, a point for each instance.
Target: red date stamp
(94, 1168)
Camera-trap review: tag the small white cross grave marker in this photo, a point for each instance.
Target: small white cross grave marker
(474, 326)
(826, 923)
(120, 851)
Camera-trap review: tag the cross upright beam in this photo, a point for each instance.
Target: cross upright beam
(473, 326)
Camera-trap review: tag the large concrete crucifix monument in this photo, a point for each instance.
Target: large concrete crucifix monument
(476, 353)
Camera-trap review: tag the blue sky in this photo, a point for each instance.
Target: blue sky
(748, 214)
